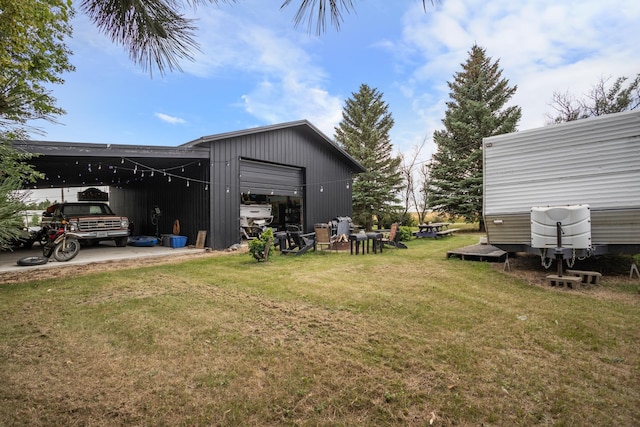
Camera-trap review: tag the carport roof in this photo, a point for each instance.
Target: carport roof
(67, 164)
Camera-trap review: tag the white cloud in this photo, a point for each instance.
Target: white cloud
(543, 46)
(283, 74)
(170, 119)
(289, 85)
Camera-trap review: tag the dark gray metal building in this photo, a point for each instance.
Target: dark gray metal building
(292, 166)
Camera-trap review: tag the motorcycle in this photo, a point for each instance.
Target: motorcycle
(60, 243)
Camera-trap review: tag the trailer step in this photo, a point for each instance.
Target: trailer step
(570, 281)
(587, 277)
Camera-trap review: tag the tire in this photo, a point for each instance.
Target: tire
(32, 260)
(71, 249)
(47, 250)
(121, 242)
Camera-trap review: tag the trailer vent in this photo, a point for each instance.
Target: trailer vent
(573, 222)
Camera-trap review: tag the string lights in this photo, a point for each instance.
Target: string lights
(147, 172)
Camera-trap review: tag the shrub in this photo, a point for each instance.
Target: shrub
(258, 246)
(406, 233)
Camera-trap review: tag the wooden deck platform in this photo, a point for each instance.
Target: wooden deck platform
(479, 252)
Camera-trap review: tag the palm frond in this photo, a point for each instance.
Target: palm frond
(307, 10)
(153, 31)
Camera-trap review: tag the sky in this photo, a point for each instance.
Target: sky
(255, 68)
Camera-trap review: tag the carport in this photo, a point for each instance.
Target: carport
(202, 183)
(139, 177)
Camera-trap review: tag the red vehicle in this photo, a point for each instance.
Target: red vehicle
(61, 244)
(89, 222)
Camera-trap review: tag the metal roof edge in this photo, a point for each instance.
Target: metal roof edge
(81, 148)
(595, 120)
(278, 126)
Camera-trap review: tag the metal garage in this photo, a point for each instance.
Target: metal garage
(203, 182)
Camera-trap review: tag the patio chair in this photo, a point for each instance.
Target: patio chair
(394, 237)
(298, 243)
(324, 237)
(344, 227)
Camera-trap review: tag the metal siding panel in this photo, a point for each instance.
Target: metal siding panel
(225, 206)
(287, 147)
(595, 162)
(608, 227)
(515, 229)
(615, 227)
(189, 205)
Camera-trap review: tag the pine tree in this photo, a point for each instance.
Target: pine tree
(364, 134)
(475, 110)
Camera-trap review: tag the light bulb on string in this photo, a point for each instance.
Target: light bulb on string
(169, 178)
(152, 172)
(206, 187)
(183, 169)
(122, 161)
(187, 183)
(135, 169)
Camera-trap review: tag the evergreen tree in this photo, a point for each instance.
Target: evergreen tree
(364, 134)
(475, 110)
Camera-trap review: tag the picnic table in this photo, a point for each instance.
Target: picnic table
(434, 229)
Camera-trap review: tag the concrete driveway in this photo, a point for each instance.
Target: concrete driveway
(105, 251)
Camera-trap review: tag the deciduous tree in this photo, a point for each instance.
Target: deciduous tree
(601, 99)
(33, 57)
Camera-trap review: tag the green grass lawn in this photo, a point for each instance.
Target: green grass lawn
(407, 337)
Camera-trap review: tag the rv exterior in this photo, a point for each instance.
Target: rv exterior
(543, 184)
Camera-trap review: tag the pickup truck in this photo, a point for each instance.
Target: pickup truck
(89, 222)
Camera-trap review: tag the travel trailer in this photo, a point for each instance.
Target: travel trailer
(571, 188)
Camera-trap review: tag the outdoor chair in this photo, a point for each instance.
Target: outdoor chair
(324, 237)
(394, 237)
(343, 227)
(298, 243)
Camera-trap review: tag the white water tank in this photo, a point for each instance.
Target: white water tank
(575, 221)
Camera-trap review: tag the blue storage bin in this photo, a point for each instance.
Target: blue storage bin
(178, 241)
